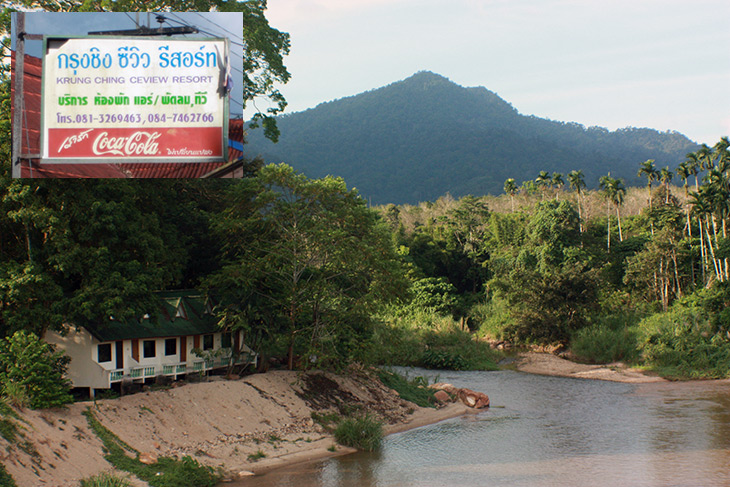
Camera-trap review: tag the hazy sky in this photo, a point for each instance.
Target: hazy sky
(663, 64)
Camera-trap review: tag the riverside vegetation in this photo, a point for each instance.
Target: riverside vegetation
(314, 276)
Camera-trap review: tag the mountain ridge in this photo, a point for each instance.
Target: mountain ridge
(422, 137)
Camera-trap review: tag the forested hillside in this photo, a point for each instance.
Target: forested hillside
(420, 138)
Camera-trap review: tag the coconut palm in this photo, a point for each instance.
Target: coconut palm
(511, 188)
(665, 176)
(577, 182)
(543, 180)
(558, 183)
(647, 168)
(684, 170)
(614, 192)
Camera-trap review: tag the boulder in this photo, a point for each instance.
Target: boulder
(476, 400)
(148, 458)
(442, 397)
(441, 386)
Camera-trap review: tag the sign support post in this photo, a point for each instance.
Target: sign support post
(18, 100)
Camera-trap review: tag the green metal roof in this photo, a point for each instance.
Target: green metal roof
(163, 322)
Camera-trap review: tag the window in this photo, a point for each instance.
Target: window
(149, 349)
(226, 340)
(181, 312)
(104, 352)
(170, 346)
(207, 342)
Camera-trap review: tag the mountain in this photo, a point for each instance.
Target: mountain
(417, 139)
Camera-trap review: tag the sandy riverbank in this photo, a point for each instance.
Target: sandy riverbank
(549, 364)
(222, 423)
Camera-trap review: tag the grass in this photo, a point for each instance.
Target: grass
(254, 457)
(328, 421)
(106, 479)
(364, 433)
(414, 390)
(167, 472)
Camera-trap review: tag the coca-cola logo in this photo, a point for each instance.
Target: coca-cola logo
(138, 144)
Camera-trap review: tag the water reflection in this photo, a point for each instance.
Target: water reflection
(547, 431)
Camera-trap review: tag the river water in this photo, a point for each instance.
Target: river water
(548, 431)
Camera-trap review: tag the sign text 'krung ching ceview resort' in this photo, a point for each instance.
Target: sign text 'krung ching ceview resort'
(134, 100)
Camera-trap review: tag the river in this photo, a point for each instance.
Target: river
(548, 431)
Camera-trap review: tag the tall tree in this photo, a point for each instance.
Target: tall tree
(511, 188)
(312, 256)
(665, 176)
(577, 182)
(647, 168)
(614, 192)
(557, 182)
(543, 181)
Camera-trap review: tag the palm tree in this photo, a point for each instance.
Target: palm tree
(684, 170)
(695, 165)
(647, 168)
(557, 181)
(614, 191)
(543, 180)
(511, 188)
(665, 176)
(577, 183)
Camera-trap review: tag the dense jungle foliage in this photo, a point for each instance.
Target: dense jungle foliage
(316, 277)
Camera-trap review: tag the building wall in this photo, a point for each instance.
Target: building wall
(86, 371)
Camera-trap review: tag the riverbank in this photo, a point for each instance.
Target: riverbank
(244, 427)
(548, 364)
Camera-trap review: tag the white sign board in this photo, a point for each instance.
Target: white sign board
(134, 100)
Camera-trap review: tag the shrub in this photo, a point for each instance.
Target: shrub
(364, 433)
(32, 371)
(443, 359)
(601, 344)
(682, 343)
(6, 480)
(105, 479)
(413, 390)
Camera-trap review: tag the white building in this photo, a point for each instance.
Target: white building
(182, 338)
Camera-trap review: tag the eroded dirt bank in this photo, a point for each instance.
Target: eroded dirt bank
(222, 423)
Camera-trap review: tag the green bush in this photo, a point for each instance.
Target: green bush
(601, 344)
(364, 433)
(6, 480)
(424, 338)
(443, 359)
(492, 318)
(414, 390)
(106, 479)
(32, 372)
(682, 343)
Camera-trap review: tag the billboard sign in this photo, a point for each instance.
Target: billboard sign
(112, 99)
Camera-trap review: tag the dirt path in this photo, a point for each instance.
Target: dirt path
(549, 364)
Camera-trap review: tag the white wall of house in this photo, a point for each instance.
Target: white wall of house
(86, 370)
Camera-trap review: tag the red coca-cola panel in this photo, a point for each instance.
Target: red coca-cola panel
(159, 142)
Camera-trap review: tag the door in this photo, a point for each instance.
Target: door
(120, 354)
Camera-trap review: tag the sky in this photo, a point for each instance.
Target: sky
(662, 64)
(216, 24)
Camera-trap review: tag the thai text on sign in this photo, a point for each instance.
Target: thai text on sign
(134, 100)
